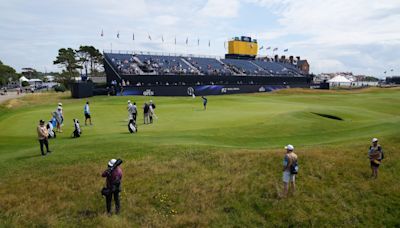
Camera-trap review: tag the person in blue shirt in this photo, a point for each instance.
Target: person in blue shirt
(204, 102)
(86, 111)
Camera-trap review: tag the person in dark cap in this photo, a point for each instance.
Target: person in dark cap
(43, 135)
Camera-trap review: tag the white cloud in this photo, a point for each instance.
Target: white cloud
(335, 27)
(221, 8)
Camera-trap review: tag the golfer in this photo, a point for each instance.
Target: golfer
(43, 135)
(86, 111)
(204, 102)
(289, 161)
(146, 110)
(134, 111)
(113, 184)
(375, 155)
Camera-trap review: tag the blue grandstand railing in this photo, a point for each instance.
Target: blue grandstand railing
(160, 54)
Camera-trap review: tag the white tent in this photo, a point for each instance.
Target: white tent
(23, 79)
(339, 79)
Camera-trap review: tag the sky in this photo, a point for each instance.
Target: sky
(361, 36)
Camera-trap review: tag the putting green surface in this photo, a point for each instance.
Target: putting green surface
(219, 167)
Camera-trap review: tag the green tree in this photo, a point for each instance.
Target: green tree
(7, 73)
(67, 58)
(91, 57)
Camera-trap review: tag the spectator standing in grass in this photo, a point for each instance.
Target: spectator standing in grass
(375, 155)
(43, 135)
(289, 170)
(113, 176)
(86, 111)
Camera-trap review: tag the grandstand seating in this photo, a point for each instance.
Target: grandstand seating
(136, 64)
(245, 66)
(209, 66)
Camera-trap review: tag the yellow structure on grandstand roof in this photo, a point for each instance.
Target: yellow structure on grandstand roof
(243, 47)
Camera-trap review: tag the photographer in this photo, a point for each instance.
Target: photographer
(113, 176)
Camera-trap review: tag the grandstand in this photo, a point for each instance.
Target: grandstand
(240, 69)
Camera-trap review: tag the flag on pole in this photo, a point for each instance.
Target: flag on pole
(118, 35)
(267, 48)
(149, 37)
(262, 47)
(102, 34)
(275, 49)
(187, 40)
(286, 50)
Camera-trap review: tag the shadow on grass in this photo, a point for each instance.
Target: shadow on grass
(328, 116)
(29, 156)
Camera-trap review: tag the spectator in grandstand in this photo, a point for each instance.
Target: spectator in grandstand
(204, 102)
(146, 110)
(289, 170)
(43, 135)
(375, 155)
(86, 111)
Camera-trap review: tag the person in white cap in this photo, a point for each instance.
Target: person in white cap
(375, 155)
(129, 108)
(113, 176)
(289, 170)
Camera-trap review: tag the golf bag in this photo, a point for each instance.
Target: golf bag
(77, 131)
(52, 133)
(132, 127)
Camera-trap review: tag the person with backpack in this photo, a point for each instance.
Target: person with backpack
(113, 175)
(375, 155)
(290, 169)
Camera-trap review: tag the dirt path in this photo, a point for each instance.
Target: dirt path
(10, 95)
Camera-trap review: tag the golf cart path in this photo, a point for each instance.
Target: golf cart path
(10, 95)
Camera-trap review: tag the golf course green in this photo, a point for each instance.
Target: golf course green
(220, 167)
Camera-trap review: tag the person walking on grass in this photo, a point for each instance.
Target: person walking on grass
(113, 175)
(375, 155)
(146, 110)
(59, 118)
(289, 170)
(204, 102)
(86, 111)
(43, 135)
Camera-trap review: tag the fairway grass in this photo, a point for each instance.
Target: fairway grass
(220, 168)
